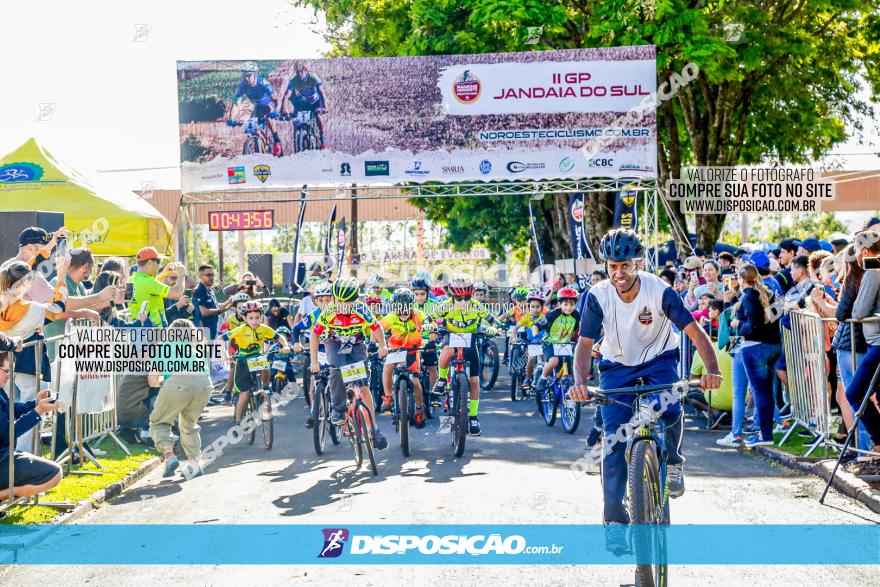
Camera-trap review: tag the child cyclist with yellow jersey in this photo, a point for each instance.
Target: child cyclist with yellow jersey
(248, 339)
(405, 324)
(463, 315)
(344, 326)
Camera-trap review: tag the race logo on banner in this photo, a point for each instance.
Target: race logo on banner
(626, 210)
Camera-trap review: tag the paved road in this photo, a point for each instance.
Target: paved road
(517, 472)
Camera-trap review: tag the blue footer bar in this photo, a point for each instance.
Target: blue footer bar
(439, 544)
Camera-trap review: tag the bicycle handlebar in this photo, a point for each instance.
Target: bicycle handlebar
(643, 389)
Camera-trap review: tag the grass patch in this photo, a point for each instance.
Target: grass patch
(800, 445)
(74, 488)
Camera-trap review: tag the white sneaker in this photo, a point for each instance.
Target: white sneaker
(730, 441)
(675, 479)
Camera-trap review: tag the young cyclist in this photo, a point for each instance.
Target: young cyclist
(561, 325)
(343, 326)
(234, 320)
(480, 292)
(463, 315)
(638, 314)
(405, 323)
(248, 339)
(424, 304)
(323, 297)
(513, 314)
(523, 328)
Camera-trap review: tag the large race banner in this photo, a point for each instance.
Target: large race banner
(495, 116)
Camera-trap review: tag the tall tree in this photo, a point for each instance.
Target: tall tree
(778, 81)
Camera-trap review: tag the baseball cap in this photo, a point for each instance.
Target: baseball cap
(692, 262)
(826, 246)
(147, 253)
(759, 259)
(840, 242)
(33, 235)
(872, 222)
(811, 244)
(789, 244)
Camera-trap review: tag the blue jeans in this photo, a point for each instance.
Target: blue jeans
(759, 361)
(859, 387)
(740, 383)
(659, 370)
(844, 364)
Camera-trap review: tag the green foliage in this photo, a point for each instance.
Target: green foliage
(784, 91)
(810, 225)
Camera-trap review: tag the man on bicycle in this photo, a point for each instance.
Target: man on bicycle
(423, 303)
(636, 311)
(248, 339)
(405, 324)
(306, 92)
(463, 315)
(343, 326)
(262, 95)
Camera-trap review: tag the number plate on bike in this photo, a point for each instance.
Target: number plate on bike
(562, 350)
(322, 358)
(279, 365)
(395, 358)
(353, 372)
(535, 350)
(257, 363)
(569, 404)
(459, 340)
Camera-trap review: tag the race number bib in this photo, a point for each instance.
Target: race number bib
(279, 365)
(562, 350)
(458, 340)
(569, 404)
(353, 372)
(535, 350)
(395, 358)
(257, 363)
(322, 358)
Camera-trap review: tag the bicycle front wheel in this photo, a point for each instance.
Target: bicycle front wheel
(646, 510)
(321, 416)
(365, 423)
(353, 432)
(267, 422)
(461, 404)
(549, 405)
(489, 365)
(250, 413)
(402, 392)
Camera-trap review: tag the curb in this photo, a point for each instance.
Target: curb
(844, 481)
(109, 492)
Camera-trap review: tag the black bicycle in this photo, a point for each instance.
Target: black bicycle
(489, 362)
(519, 359)
(321, 412)
(647, 491)
(456, 398)
(403, 395)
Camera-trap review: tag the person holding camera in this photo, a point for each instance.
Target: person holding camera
(867, 305)
(148, 291)
(33, 474)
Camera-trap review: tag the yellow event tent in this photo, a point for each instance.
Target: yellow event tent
(31, 179)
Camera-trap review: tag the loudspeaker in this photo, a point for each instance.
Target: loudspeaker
(260, 264)
(12, 223)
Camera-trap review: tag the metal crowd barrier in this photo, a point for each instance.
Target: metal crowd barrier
(807, 370)
(36, 447)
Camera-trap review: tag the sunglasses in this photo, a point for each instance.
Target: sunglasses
(461, 298)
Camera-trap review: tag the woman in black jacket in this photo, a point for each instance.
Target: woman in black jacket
(760, 348)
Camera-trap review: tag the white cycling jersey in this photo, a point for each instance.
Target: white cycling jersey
(638, 331)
